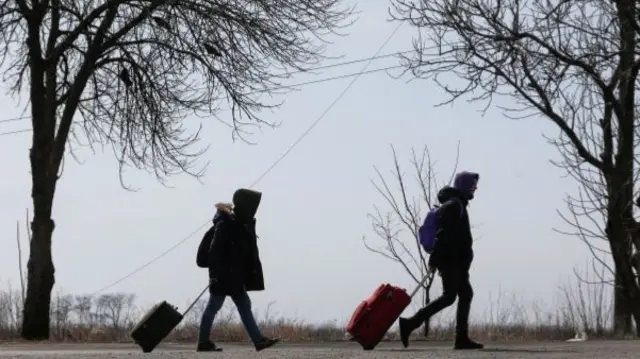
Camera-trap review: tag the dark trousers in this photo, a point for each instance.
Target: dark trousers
(455, 283)
(242, 302)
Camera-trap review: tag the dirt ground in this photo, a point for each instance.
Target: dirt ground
(547, 350)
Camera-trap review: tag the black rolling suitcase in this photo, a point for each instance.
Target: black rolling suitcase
(158, 323)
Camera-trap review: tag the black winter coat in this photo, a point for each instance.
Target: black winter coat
(234, 261)
(454, 248)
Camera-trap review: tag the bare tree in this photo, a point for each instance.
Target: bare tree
(83, 309)
(116, 308)
(126, 73)
(195, 314)
(571, 62)
(61, 309)
(10, 305)
(586, 216)
(397, 226)
(20, 266)
(589, 306)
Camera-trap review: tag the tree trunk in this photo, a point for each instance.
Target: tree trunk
(621, 309)
(40, 280)
(40, 269)
(46, 154)
(626, 290)
(622, 317)
(426, 328)
(620, 180)
(44, 176)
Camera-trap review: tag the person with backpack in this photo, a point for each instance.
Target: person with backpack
(230, 251)
(446, 236)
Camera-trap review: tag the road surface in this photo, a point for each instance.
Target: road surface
(545, 350)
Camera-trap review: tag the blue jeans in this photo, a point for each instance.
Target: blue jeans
(243, 304)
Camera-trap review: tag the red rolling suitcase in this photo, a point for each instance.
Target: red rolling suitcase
(374, 316)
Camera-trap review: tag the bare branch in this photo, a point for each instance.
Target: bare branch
(181, 58)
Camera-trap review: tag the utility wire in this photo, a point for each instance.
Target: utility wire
(351, 62)
(268, 170)
(332, 78)
(337, 64)
(15, 119)
(14, 132)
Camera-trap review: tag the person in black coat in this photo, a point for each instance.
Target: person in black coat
(452, 257)
(234, 266)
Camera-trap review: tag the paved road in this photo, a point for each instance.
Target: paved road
(547, 350)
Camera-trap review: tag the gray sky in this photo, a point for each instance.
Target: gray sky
(315, 201)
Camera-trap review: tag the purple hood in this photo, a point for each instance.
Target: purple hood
(464, 181)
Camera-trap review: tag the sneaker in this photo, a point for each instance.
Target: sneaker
(208, 347)
(265, 343)
(405, 331)
(467, 344)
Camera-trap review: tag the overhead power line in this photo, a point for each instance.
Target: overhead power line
(310, 70)
(14, 132)
(294, 86)
(351, 62)
(15, 119)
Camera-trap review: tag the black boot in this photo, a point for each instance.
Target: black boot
(407, 325)
(208, 346)
(464, 343)
(462, 322)
(265, 343)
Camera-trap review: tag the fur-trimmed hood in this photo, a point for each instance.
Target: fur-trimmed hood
(223, 209)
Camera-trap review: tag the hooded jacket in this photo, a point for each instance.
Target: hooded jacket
(234, 260)
(454, 247)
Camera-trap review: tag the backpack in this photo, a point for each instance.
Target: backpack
(427, 233)
(202, 257)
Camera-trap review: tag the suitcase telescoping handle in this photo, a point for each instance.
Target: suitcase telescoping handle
(195, 301)
(428, 279)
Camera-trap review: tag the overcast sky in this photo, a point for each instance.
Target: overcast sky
(315, 203)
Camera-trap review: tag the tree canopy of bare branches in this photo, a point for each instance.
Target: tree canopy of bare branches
(126, 73)
(396, 227)
(574, 63)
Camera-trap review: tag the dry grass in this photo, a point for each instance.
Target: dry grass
(110, 317)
